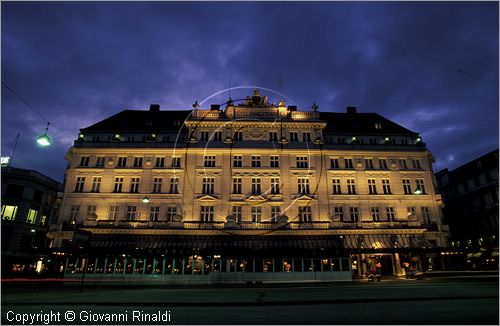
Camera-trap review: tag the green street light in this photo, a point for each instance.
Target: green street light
(145, 200)
(418, 191)
(44, 140)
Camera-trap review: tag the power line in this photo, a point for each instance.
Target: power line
(394, 44)
(24, 101)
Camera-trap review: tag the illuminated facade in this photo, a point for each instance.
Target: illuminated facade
(254, 188)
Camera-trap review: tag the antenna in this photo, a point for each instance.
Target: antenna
(14, 149)
(229, 88)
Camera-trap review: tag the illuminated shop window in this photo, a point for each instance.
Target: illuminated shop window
(9, 212)
(31, 218)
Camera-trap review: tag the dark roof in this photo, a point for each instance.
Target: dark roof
(172, 120)
(361, 123)
(141, 121)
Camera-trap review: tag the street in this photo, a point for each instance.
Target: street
(434, 301)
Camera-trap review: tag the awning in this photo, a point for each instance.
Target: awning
(384, 241)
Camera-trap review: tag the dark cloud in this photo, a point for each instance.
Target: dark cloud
(79, 62)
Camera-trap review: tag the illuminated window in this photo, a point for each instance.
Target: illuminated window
(420, 185)
(157, 185)
(257, 213)
(9, 212)
(32, 214)
(80, 182)
(236, 185)
(207, 213)
(96, 184)
(336, 187)
(237, 161)
(43, 219)
(378, 125)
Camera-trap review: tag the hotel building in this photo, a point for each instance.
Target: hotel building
(250, 191)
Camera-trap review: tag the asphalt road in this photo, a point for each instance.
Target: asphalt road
(445, 301)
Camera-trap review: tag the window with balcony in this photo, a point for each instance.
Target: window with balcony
(134, 185)
(137, 162)
(237, 161)
(118, 184)
(256, 214)
(351, 186)
(256, 186)
(96, 184)
(84, 160)
(275, 185)
(80, 183)
(157, 182)
(302, 162)
(303, 186)
(207, 213)
(406, 186)
(131, 213)
(237, 182)
(274, 161)
(305, 215)
(256, 161)
(386, 186)
(209, 161)
(336, 187)
(372, 187)
(208, 186)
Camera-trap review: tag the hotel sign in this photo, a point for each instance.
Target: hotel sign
(5, 160)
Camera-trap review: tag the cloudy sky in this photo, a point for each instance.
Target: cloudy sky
(430, 66)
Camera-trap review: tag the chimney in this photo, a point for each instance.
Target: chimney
(154, 108)
(351, 109)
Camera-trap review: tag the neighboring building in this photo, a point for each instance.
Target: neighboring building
(28, 205)
(470, 194)
(254, 187)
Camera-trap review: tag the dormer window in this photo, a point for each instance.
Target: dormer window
(378, 125)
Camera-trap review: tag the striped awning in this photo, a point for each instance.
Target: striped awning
(384, 241)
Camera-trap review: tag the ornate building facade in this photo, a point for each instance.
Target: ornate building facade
(255, 189)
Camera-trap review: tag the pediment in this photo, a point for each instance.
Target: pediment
(207, 198)
(256, 198)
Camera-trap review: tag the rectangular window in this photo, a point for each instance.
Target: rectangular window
(382, 164)
(134, 185)
(274, 161)
(255, 161)
(96, 184)
(236, 213)
(339, 212)
(238, 136)
(372, 187)
(351, 186)
(336, 187)
(420, 185)
(348, 163)
(273, 136)
(369, 163)
(402, 164)
(74, 212)
(118, 184)
(217, 136)
(386, 186)
(306, 136)
(353, 214)
(208, 186)
(122, 162)
(171, 213)
(31, 218)
(204, 136)
(237, 185)
(160, 162)
(154, 213)
(390, 213)
(176, 162)
(416, 164)
(209, 161)
(426, 215)
(302, 162)
(91, 209)
(137, 162)
(157, 185)
(406, 186)
(207, 213)
(372, 141)
(113, 213)
(100, 161)
(275, 213)
(9, 212)
(275, 185)
(305, 214)
(80, 183)
(174, 185)
(375, 214)
(131, 213)
(303, 186)
(256, 183)
(334, 163)
(257, 214)
(237, 161)
(84, 160)
(294, 136)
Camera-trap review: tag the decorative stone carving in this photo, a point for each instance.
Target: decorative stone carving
(148, 163)
(111, 162)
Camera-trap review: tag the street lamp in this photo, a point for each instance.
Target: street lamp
(418, 191)
(44, 140)
(145, 200)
